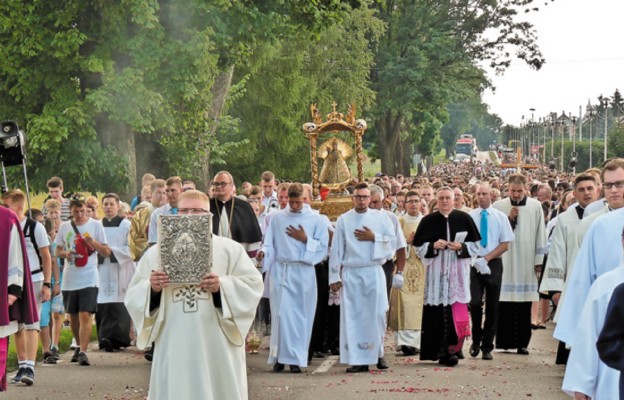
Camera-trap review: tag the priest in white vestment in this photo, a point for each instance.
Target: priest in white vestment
(297, 239)
(199, 330)
(585, 374)
(596, 256)
(115, 273)
(409, 298)
(519, 285)
(364, 239)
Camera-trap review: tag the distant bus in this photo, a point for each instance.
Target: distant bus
(467, 145)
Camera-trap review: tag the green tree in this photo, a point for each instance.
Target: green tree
(89, 80)
(429, 55)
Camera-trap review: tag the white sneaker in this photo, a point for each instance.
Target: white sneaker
(73, 345)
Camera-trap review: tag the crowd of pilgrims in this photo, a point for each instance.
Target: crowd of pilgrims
(466, 250)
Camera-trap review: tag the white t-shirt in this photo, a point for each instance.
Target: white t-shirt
(41, 237)
(75, 278)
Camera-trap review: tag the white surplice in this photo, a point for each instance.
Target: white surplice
(293, 291)
(116, 276)
(600, 252)
(200, 348)
(15, 273)
(585, 373)
(363, 298)
(519, 283)
(562, 252)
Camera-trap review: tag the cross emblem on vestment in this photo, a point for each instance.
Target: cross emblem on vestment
(189, 295)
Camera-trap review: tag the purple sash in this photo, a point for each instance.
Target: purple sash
(461, 319)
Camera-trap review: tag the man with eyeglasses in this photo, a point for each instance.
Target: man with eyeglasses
(200, 352)
(173, 188)
(596, 256)
(80, 277)
(297, 240)
(232, 217)
(409, 302)
(363, 240)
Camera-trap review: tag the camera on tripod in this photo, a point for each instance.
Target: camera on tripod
(13, 152)
(12, 144)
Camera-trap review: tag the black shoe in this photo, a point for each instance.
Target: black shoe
(357, 368)
(452, 360)
(523, 350)
(486, 355)
(18, 377)
(294, 369)
(106, 345)
(318, 354)
(29, 377)
(381, 364)
(409, 350)
(74, 357)
(335, 352)
(460, 355)
(149, 354)
(278, 367)
(83, 359)
(474, 350)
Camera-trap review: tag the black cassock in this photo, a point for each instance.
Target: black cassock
(438, 327)
(610, 342)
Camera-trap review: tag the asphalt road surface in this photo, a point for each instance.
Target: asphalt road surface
(125, 375)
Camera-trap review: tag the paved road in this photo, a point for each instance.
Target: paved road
(125, 375)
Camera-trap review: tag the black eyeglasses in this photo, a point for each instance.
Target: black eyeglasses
(610, 185)
(220, 184)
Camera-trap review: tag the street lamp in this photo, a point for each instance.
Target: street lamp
(606, 110)
(591, 111)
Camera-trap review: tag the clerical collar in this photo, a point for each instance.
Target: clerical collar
(519, 203)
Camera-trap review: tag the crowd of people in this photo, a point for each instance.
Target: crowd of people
(469, 250)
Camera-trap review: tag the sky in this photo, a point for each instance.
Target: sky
(582, 43)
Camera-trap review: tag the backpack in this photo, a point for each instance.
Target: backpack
(29, 232)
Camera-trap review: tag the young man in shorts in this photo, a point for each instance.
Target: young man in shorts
(80, 279)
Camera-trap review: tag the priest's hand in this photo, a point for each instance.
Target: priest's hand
(397, 281)
(455, 246)
(440, 244)
(514, 213)
(581, 396)
(159, 280)
(210, 282)
(260, 255)
(334, 287)
(364, 235)
(12, 299)
(298, 234)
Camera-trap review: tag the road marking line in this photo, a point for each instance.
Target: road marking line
(326, 365)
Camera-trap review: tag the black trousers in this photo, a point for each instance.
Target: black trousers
(483, 333)
(388, 269)
(438, 332)
(514, 325)
(319, 328)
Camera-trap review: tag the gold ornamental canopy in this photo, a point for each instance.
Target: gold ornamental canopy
(335, 174)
